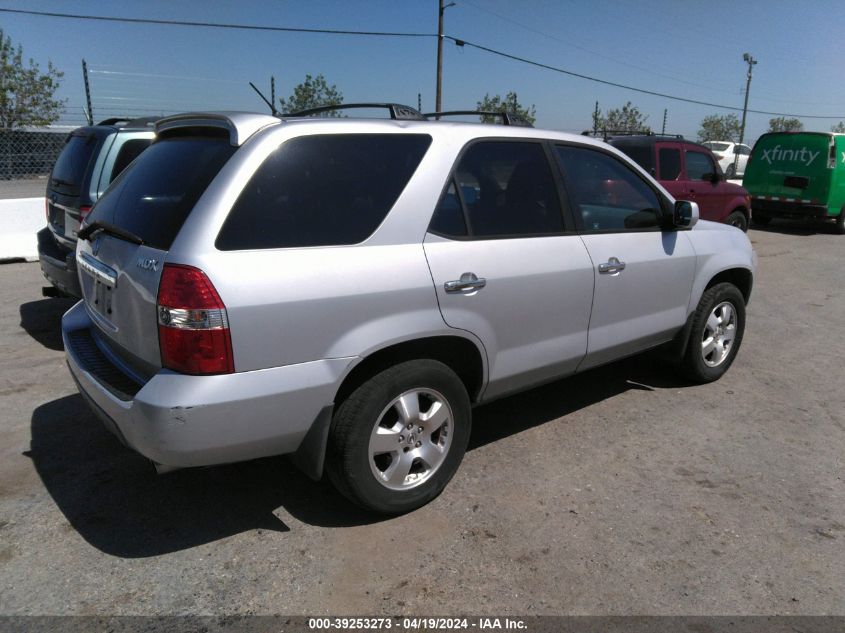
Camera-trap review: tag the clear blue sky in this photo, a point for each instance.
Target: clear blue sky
(679, 47)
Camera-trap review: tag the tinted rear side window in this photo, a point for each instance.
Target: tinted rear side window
(154, 196)
(322, 190)
(70, 167)
(643, 155)
(129, 152)
(670, 163)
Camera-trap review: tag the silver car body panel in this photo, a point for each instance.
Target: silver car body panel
(302, 318)
(533, 312)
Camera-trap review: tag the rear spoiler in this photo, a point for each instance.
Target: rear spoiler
(239, 125)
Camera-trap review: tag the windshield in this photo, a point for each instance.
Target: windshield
(717, 147)
(157, 192)
(70, 167)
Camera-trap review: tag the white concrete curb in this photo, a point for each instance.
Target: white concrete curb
(20, 220)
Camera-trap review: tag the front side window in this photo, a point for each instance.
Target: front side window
(322, 190)
(700, 166)
(606, 194)
(507, 189)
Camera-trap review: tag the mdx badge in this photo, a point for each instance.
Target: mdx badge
(148, 264)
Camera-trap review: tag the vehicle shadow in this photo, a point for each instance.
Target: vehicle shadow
(114, 499)
(800, 228)
(42, 320)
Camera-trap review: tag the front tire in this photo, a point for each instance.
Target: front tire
(716, 334)
(730, 172)
(738, 219)
(398, 439)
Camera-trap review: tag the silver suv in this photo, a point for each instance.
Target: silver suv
(344, 291)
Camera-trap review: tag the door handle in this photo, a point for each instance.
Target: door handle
(468, 281)
(613, 265)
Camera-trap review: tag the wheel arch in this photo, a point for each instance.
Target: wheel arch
(463, 355)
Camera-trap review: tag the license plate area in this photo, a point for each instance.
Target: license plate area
(103, 279)
(103, 293)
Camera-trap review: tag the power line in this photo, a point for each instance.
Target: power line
(493, 51)
(216, 25)
(459, 42)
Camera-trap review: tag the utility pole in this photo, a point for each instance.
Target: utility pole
(748, 59)
(437, 98)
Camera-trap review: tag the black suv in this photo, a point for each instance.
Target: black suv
(92, 157)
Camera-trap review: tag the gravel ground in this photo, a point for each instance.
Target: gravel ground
(621, 491)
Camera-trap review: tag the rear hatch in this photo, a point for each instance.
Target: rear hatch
(791, 167)
(65, 189)
(131, 229)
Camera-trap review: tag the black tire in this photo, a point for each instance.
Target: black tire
(694, 363)
(730, 172)
(760, 220)
(349, 463)
(738, 219)
(840, 223)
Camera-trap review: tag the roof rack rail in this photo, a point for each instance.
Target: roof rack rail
(508, 118)
(397, 110)
(606, 134)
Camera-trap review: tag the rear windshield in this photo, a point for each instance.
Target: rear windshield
(322, 190)
(717, 147)
(70, 167)
(154, 196)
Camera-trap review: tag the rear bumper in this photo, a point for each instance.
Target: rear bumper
(58, 264)
(785, 209)
(182, 421)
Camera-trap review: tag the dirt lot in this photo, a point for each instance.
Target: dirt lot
(621, 491)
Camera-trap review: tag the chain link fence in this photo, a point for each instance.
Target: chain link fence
(26, 154)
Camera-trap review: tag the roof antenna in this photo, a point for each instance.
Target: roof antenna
(273, 110)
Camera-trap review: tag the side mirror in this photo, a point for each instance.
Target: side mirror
(686, 214)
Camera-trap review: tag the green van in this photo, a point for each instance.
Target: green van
(797, 175)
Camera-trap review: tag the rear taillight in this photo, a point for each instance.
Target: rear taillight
(83, 213)
(193, 329)
(718, 156)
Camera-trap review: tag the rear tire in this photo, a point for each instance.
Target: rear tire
(738, 219)
(840, 223)
(716, 333)
(398, 439)
(730, 172)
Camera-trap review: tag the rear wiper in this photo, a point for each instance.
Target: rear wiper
(59, 181)
(111, 229)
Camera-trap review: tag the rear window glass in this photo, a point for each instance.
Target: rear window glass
(154, 195)
(717, 147)
(70, 167)
(322, 190)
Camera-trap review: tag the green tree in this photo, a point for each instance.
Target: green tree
(839, 128)
(27, 95)
(313, 93)
(719, 128)
(510, 103)
(628, 118)
(782, 124)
